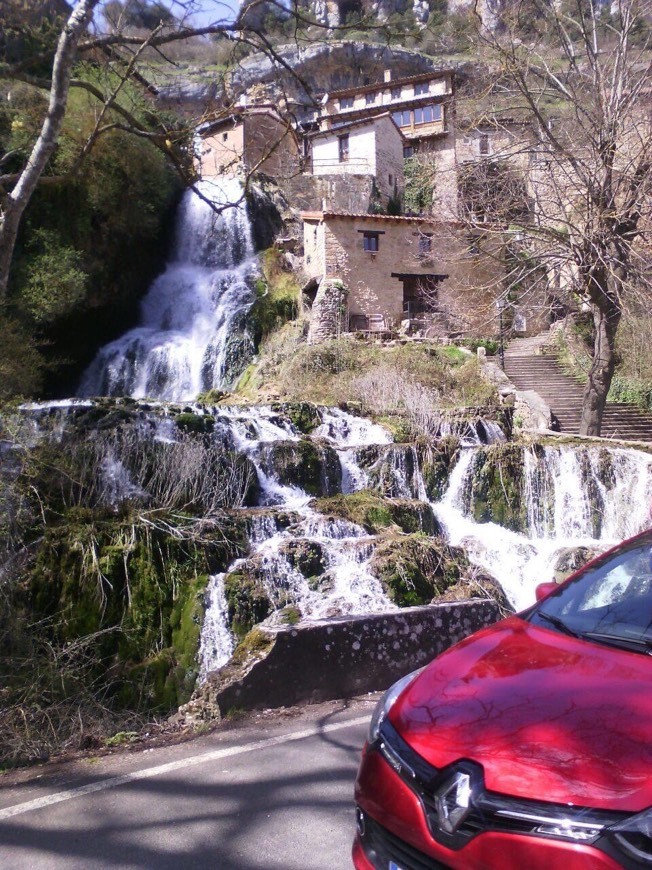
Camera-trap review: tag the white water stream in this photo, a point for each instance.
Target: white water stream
(568, 505)
(180, 347)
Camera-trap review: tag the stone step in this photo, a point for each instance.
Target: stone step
(531, 369)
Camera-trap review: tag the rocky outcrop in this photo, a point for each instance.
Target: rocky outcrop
(323, 66)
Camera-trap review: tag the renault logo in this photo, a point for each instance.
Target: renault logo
(453, 802)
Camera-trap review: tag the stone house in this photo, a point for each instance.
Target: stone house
(391, 273)
(248, 139)
(420, 104)
(367, 146)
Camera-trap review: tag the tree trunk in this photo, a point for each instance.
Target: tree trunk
(602, 368)
(15, 202)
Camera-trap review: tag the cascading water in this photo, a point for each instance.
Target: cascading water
(575, 497)
(192, 312)
(185, 345)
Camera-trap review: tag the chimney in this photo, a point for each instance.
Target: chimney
(387, 75)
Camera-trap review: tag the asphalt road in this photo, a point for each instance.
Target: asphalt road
(274, 792)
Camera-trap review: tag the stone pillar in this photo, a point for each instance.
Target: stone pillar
(328, 317)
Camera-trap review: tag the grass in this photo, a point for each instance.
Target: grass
(339, 371)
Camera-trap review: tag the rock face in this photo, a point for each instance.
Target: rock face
(331, 66)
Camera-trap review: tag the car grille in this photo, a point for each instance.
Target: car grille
(488, 811)
(381, 847)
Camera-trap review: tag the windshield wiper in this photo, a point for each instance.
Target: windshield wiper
(558, 623)
(636, 644)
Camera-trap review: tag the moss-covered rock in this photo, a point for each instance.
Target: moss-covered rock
(374, 513)
(364, 508)
(137, 593)
(247, 600)
(414, 569)
(314, 467)
(392, 469)
(436, 461)
(569, 559)
(190, 422)
(497, 493)
(307, 557)
(304, 416)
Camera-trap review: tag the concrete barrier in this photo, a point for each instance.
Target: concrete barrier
(347, 656)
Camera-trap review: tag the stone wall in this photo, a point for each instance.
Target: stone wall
(328, 311)
(347, 656)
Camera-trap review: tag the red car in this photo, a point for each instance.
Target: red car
(527, 746)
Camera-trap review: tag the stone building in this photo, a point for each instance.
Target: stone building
(420, 104)
(367, 146)
(391, 273)
(248, 139)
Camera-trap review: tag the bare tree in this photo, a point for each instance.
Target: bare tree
(580, 75)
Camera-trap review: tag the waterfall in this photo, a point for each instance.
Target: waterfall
(187, 338)
(575, 496)
(322, 565)
(217, 642)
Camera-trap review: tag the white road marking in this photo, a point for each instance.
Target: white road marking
(170, 767)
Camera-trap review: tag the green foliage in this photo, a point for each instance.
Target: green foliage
(21, 364)
(419, 184)
(90, 242)
(277, 296)
(631, 391)
(50, 279)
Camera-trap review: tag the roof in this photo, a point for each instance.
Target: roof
(357, 122)
(236, 113)
(393, 83)
(382, 218)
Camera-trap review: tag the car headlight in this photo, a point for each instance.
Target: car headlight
(634, 836)
(387, 702)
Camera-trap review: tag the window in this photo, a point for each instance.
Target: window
(421, 88)
(370, 241)
(370, 99)
(402, 119)
(425, 243)
(396, 93)
(427, 114)
(483, 144)
(390, 179)
(408, 151)
(343, 147)
(346, 102)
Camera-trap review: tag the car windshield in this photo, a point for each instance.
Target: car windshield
(609, 603)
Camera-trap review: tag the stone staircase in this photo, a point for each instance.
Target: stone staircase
(530, 367)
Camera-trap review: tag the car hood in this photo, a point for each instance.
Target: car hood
(549, 717)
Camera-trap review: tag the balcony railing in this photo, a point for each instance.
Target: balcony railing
(357, 165)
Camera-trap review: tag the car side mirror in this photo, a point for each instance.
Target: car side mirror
(543, 590)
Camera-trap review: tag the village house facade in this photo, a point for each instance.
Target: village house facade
(248, 139)
(407, 273)
(421, 105)
(369, 146)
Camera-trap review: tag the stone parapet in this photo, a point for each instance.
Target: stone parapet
(348, 656)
